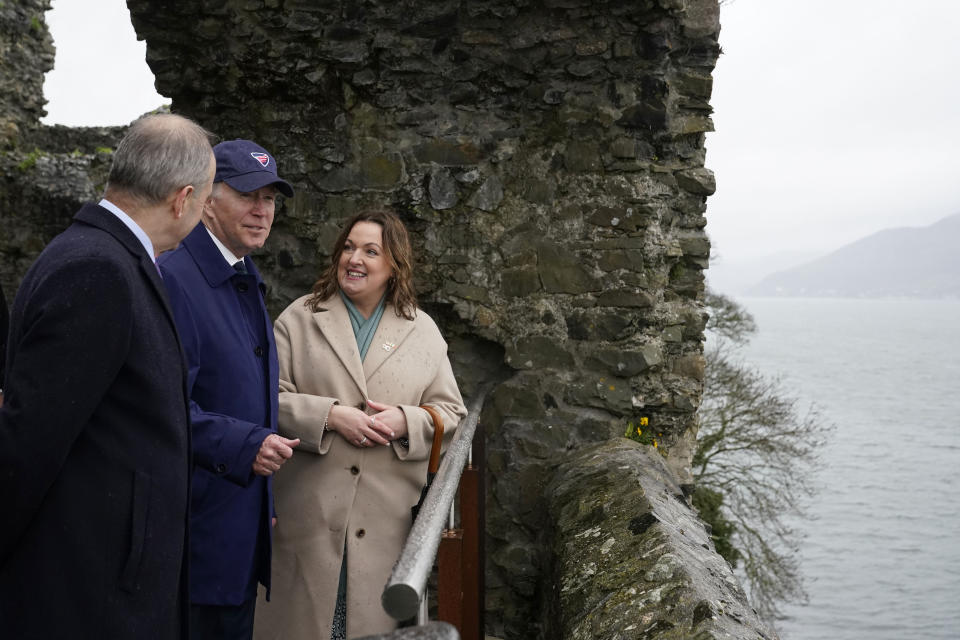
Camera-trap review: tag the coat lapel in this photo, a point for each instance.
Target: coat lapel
(97, 216)
(391, 333)
(334, 323)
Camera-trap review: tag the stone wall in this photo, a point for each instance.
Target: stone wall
(45, 172)
(548, 157)
(43, 181)
(26, 53)
(632, 558)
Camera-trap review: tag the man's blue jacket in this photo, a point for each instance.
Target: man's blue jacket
(232, 380)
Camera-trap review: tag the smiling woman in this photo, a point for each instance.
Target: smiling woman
(100, 75)
(358, 360)
(363, 270)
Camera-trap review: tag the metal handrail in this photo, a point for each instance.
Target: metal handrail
(407, 584)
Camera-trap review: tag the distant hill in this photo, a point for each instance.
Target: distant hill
(735, 277)
(922, 262)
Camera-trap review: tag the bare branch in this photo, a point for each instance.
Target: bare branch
(757, 450)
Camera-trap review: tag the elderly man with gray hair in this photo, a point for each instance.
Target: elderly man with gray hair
(95, 425)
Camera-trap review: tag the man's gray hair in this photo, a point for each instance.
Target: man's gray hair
(160, 154)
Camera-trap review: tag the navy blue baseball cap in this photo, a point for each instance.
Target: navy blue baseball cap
(246, 166)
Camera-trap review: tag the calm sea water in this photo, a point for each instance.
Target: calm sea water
(882, 552)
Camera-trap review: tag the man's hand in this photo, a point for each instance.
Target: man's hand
(274, 451)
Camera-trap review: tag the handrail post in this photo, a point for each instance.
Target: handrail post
(407, 584)
(472, 522)
(450, 597)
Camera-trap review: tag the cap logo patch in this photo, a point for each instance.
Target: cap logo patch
(262, 158)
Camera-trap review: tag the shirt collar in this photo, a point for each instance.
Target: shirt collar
(133, 226)
(227, 254)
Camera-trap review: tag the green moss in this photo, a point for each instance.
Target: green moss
(708, 504)
(36, 24)
(28, 162)
(677, 272)
(103, 150)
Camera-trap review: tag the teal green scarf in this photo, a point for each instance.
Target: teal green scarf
(364, 328)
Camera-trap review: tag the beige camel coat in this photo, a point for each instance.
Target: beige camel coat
(332, 492)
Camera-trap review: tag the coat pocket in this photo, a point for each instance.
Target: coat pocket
(138, 531)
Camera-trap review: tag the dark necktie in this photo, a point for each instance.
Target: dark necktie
(240, 266)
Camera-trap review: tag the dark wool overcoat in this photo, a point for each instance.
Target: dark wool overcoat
(232, 363)
(94, 445)
(4, 327)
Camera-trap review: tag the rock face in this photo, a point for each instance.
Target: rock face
(26, 53)
(45, 172)
(632, 558)
(547, 157)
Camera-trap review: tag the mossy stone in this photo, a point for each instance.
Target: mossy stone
(519, 282)
(562, 272)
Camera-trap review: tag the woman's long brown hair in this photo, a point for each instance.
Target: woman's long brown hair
(396, 246)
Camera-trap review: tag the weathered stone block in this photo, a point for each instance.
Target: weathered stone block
(622, 259)
(519, 282)
(582, 156)
(597, 324)
(699, 181)
(562, 272)
(628, 362)
(673, 334)
(489, 196)
(466, 291)
(378, 173)
(692, 365)
(701, 19)
(617, 515)
(539, 191)
(538, 352)
(615, 393)
(623, 147)
(448, 153)
(442, 188)
(694, 84)
(697, 246)
(518, 398)
(626, 298)
(687, 124)
(625, 219)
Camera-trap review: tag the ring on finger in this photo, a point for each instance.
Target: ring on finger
(362, 440)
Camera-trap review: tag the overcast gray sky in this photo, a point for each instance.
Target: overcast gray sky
(835, 118)
(100, 75)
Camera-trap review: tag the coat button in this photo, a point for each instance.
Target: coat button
(221, 468)
(361, 533)
(242, 287)
(258, 351)
(354, 470)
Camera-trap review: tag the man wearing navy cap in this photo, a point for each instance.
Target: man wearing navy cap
(217, 296)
